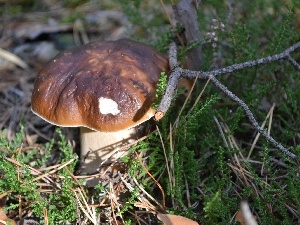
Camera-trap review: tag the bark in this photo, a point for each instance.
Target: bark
(186, 14)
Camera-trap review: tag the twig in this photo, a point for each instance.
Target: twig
(186, 14)
(55, 170)
(187, 191)
(177, 73)
(262, 126)
(159, 186)
(285, 55)
(167, 160)
(251, 117)
(88, 211)
(293, 62)
(221, 131)
(146, 193)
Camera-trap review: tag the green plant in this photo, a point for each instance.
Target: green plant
(203, 159)
(222, 168)
(21, 181)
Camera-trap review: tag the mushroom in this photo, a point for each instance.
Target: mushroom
(105, 87)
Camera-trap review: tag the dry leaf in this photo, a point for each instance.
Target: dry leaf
(4, 219)
(169, 219)
(240, 218)
(244, 218)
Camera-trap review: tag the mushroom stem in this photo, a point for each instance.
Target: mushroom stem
(102, 147)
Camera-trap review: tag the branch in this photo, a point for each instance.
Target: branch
(285, 55)
(177, 73)
(186, 14)
(249, 114)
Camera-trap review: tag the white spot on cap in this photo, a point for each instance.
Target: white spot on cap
(108, 106)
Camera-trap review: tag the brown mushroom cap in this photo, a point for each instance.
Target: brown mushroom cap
(105, 86)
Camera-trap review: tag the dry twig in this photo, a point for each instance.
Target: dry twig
(177, 73)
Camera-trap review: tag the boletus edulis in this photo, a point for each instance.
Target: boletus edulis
(105, 87)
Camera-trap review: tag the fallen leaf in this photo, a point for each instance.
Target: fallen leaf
(4, 219)
(240, 217)
(169, 219)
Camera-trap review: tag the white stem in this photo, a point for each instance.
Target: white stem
(101, 147)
